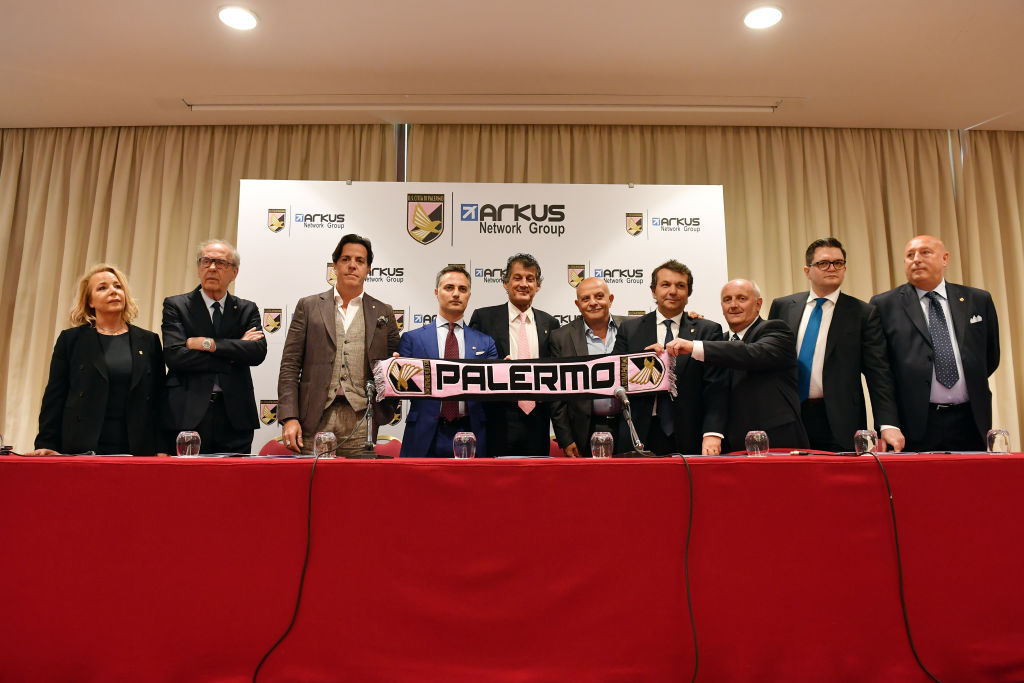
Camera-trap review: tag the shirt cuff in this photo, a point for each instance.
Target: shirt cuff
(698, 352)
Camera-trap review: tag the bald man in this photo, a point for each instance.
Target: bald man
(943, 343)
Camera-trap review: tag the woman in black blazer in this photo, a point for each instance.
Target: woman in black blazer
(106, 376)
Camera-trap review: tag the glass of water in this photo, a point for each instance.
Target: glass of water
(757, 443)
(325, 445)
(865, 441)
(998, 441)
(464, 445)
(188, 444)
(601, 445)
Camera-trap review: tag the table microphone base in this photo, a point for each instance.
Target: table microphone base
(637, 454)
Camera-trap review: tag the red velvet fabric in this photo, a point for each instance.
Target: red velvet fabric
(559, 570)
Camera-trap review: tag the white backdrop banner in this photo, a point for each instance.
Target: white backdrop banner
(288, 229)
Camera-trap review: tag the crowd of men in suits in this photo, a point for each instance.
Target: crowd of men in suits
(925, 349)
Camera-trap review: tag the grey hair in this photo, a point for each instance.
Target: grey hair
(236, 259)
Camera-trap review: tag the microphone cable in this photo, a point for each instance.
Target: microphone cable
(899, 572)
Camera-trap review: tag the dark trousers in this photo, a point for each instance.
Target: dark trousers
(511, 432)
(819, 432)
(216, 432)
(950, 428)
(444, 435)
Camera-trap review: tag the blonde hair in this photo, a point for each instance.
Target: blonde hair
(84, 314)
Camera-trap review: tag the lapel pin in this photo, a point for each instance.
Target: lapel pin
(961, 299)
(140, 352)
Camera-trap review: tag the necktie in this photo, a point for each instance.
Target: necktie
(217, 317)
(735, 337)
(523, 351)
(664, 402)
(450, 409)
(806, 357)
(945, 361)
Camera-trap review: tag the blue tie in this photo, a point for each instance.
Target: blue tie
(945, 361)
(806, 357)
(664, 403)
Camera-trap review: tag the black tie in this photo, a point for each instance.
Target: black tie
(217, 317)
(664, 402)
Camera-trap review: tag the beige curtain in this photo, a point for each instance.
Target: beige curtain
(785, 187)
(140, 198)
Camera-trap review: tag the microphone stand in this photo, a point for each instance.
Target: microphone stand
(368, 452)
(638, 446)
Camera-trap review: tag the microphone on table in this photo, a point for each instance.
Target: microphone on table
(638, 447)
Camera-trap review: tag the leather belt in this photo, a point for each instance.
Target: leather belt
(939, 407)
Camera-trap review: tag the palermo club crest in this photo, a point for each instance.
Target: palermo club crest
(275, 219)
(272, 319)
(268, 411)
(575, 274)
(403, 375)
(634, 224)
(645, 370)
(425, 214)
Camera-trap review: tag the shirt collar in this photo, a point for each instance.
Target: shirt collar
(441, 321)
(358, 299)
(833, 297)
(677, 319)
(514, 313)
(611, 326)
(742, 333)
(940, 289)
(209, 301)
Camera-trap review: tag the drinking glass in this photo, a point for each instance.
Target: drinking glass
(325, 445)
(601, 445)
(464, 445)
(998, 441)
(865, 441)
(188, 444)
(757, 443)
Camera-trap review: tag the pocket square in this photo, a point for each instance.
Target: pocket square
(975, 319)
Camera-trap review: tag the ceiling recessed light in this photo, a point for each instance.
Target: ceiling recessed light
(238, 18)
(763, 17)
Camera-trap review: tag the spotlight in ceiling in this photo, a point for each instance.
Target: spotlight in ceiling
(763, 17)
(238, 18)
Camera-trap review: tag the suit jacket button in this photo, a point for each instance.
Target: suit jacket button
(81, 394)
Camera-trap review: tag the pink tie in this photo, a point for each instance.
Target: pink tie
(523, 352)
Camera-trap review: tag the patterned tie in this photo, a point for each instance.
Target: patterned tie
(217, 317)
(450, 409)
(523, 351)
(664, 402)
(945, 361)
(806, 357)
(734, 337)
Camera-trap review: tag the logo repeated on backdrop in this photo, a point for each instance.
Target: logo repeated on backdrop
(516, 219)
(272, 319)
(320, 221)
(275, 219)
(634, 224)
(394, 274)
(576, 274)
(489, 275)
(332, 275)
(632, 276)
(268, 411)
(423, 318)
(564, 318)
(675, 224)
(425, 217)
(643, 370)
(400, 318)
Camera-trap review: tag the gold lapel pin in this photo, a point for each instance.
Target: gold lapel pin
(961, 299)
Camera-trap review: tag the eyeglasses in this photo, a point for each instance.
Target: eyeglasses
(838, 264)
(218, 263)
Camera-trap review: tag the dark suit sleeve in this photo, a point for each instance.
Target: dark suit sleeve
(180, 358)
(405, 345)
(292, 357)
(715, 389)
(559, 409)
(159, 395)
(475, 322)
(992, 352)
(773, 312)
(249, 352)
(55, 396)
(874, 363)
(773, 348)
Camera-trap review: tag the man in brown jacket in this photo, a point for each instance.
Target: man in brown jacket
(333, 340)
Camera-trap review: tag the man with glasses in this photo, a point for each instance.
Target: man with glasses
(211, 339)
(838, 338)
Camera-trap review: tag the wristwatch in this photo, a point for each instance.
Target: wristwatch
(207, 344)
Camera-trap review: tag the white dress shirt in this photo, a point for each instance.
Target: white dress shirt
(347, 313)
(818, 361)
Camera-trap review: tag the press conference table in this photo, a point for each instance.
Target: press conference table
(118, 569)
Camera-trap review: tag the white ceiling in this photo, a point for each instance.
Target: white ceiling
(896, 64)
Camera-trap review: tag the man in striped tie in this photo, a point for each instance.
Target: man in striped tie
(838, 339)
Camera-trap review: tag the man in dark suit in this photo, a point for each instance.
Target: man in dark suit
(693, 422)
(334, 338)
(838, 337)
(760, 362)
(943, 342)
(519, 331)
(211, 339)
(431, 425)
(591, 334)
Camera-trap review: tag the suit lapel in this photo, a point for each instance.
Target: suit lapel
(842, 317)
(912, 307)
(91, 340)
(230, 319)
(793, 312)
(500, 326)
(957, 313)
(687, 329)
(579, 337)
(370, 313)
(327, 316)
(199, 314)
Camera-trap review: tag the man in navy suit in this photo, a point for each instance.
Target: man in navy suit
(519, 331)
(211, 339)
(943, 342)
(838, 338)
(431, 425)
